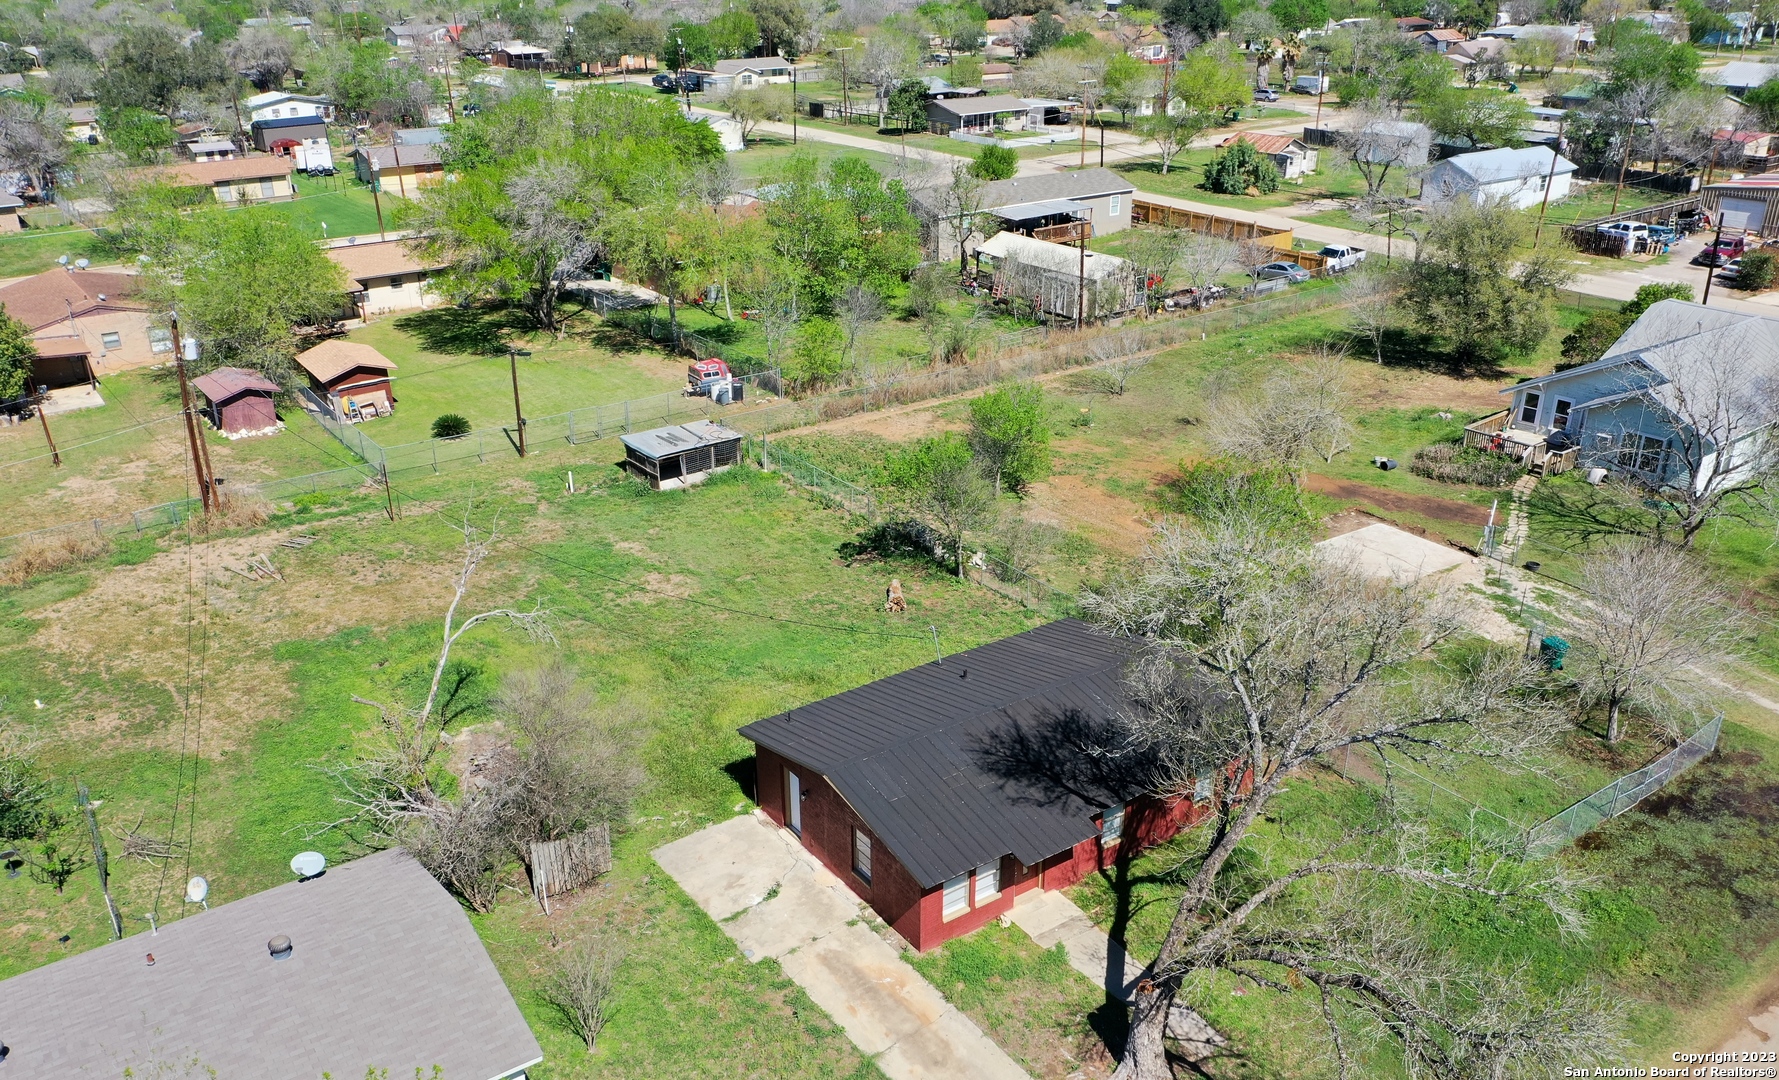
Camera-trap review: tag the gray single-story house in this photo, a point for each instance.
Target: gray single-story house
(1740, 76)
(984, 113)
(370, 965)
(1046, 206)
(1517, 175)
(1682, 385)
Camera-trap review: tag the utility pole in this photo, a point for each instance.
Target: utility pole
(1084, 83)
(1555, 153)
(1321, 81)
(518, 415)
(55, 456)
(377, 191)
(845, 97)
(181, 350)
(794, 110)
(1623, 164)
(1082, 228)
(87, 806)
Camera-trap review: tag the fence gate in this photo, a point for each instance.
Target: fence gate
(559, 866)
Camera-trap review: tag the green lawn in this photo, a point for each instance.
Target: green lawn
(1333, 179)
(1595, 201)
(283, 665)
(36, 250)
(766, 154)
(335, 206)
(449, 360)
(109, 469)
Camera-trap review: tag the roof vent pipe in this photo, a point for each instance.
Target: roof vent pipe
(279, 947)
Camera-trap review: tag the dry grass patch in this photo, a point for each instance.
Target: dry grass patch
(48, 554)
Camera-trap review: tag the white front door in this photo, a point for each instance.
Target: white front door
(794, 802)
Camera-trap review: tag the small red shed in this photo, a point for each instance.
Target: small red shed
(240, 401)
(941, 793)
(352, 380)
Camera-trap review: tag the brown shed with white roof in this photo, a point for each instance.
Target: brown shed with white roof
(352, 380)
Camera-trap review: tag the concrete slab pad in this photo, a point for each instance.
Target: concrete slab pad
(952, 1046)
(1385, 551)
(1041, 914)
(728, 867)
(802, 911)
(70, 399)
(868, 990)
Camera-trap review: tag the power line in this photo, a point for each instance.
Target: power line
(111, 435)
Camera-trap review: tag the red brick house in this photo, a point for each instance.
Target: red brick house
(941, 793)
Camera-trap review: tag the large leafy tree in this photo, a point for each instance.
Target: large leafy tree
(839, 226)
(17, 350)
(1010, 436)
(1477, 118)
(1477, 285)
(147, 68)
(1210, 81)
(242, 281)
(781, 24)
(1203, 18)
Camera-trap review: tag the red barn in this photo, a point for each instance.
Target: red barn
(941, 793)
(240, 401)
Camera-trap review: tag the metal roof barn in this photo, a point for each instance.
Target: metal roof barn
(681, 455)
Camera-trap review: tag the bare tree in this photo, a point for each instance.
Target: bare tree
(1261, 659)
(1252, 254)
(956, 208)
(1370, 301)
(1378, 141)
(574, 765)
(1297, 413)
(1116, 362)
(860, 305)
(1204, 259)
(33, 140)
(1653, 616)
(263, 55)
(580, 983)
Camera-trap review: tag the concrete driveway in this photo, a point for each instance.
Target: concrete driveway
(775, 900)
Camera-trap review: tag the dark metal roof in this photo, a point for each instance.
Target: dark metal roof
(986, 754)
(290, 122)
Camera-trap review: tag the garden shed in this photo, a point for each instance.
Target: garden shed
(239, 401)
(679, 456)
(350, 381)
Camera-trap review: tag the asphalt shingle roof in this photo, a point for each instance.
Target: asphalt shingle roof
(954, 764)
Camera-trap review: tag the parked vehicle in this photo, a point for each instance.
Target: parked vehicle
(1691, 221)
(666, 82)
(1662, 234)
(1310, 84)
(1719, 252)
(1730, 272)
(1266, 93)
(711, 379)
(1287, 271)
(1341, 257)
(1193, 297)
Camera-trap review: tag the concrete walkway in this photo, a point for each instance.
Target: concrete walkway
(1052, 919)
(775, 900)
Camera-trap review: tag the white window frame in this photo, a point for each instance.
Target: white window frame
(990, 872)
(861, 856)
(1531, 401)
(1117, 204)
(1111, 825)
(954, 897)
(111, 339)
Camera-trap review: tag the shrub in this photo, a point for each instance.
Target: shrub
(996, 163)
(50, 554)
(450, 426)
(1758, 271)
(1215, 489)
(1240, 168)
(1454, 463)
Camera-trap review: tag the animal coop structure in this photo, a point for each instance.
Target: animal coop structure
(1057, 279)
(675, 457)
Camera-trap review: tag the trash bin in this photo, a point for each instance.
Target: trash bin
(738, 388)
(1552, 650)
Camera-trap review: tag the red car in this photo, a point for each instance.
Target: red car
(1722, 251)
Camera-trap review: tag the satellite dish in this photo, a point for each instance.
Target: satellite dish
(142, 260)
(83, 263)
(197, 890)
(63, 261)
(308, 864)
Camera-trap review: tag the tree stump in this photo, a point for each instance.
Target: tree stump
(894, 601)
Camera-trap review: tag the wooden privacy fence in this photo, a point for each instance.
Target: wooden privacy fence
(1144, 212)
(559, 866)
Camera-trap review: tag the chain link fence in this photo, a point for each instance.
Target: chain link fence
(1622, 794)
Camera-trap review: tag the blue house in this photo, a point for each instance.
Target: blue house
(1688, 394)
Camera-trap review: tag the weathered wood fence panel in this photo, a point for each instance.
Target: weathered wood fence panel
(559, 866)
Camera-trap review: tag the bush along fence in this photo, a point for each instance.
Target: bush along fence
(1569, 824)
(979, 567)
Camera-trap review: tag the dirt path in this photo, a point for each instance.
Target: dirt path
(1427, 506)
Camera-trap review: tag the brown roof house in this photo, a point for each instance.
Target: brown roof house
(85, 324)
(1293, 158)
(403, 170)
(255, 178)
(239, 402)
(350, 381)
(10, 205)
(368, 966)
(385, 278)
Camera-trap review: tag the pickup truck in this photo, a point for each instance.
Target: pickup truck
(1341, 257)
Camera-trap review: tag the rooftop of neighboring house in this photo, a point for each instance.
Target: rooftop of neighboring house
(393, 157)
(50, 297)
(1412, 23)
(383, 967)
(333, 358)
(83, 114)
(1266, 144)
(288, 122)
(1741, 73)
(520, 48)
(666, 441)
(211, 146)
(1508, 163)
(986, 103)
(387, 258)
(422, 136)
(206, 173)
(1443, 34)
(755, 64)
(953, 764)
(276, 97)
(1046, 187)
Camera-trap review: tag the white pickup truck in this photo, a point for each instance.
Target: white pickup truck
(1341, 257)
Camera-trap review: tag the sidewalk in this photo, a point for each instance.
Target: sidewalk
(775, 900)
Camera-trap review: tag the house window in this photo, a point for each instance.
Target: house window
(160, 339)
(111, 340)
(1112, 826)
(956, 899)
(861, 856)
(1642, 453)
(395, 282)
(1529, 408)
(988, 882)
(1117, 203)
(1560, 419)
